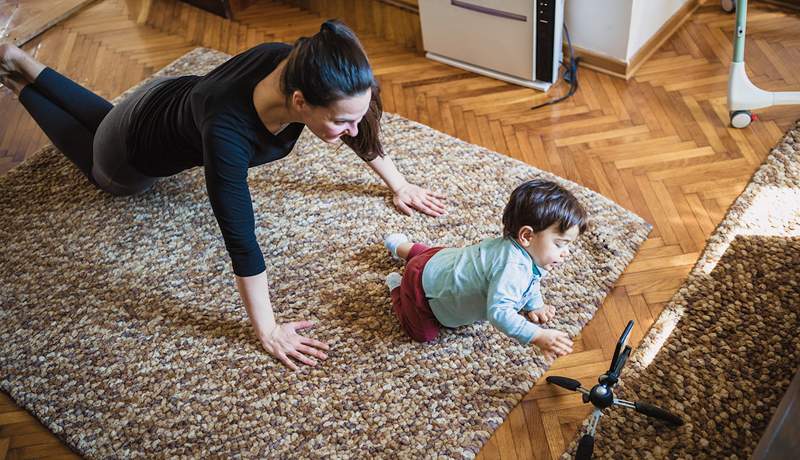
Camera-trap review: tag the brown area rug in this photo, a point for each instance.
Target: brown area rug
(121, 328)
(726, 347)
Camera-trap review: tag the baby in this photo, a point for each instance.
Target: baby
(495, 279)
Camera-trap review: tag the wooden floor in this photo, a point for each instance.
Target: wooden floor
(22, 20)
(659, 145)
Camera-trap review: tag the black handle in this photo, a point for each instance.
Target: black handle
(659, 413)
(585, 448)
(564, 382)
(620, 348)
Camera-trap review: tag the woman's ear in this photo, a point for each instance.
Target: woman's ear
(525, 235)
(298, 100)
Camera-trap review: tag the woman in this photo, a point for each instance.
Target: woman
(246, 112)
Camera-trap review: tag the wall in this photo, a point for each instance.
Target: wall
(600, 26)
(646, 18)
(606, 33)
(616, 28)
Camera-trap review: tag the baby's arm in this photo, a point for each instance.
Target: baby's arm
(542, 314)
(553, 343)
(504, 293)
(536, 301)
(535, 309)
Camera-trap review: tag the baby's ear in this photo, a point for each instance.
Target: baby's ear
(524, 235)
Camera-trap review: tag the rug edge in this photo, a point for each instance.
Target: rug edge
(651, 338)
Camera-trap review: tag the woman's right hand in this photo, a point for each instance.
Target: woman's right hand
(283, 342)
(553, 343)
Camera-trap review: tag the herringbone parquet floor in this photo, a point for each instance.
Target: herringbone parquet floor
(659, 145)
(20, 21)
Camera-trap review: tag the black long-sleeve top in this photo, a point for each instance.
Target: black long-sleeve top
(211, 121)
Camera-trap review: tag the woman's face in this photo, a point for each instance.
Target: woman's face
(338, 119)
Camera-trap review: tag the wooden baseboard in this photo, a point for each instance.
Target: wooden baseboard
(790, 4)
(626, 70)
(412, 6)
(218, 7)
(394, 20)
(398, 21)
(661, 36)
(599, 62)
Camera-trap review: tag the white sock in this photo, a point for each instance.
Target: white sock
(393, 280)
(392, 241)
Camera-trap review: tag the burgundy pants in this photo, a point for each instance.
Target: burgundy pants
(410, 304)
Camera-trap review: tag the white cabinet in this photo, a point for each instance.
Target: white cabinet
(513, 40)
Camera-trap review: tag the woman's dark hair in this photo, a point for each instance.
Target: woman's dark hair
(539, 204)
(330, 66)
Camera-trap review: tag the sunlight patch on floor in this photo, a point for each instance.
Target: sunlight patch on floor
(775, 211)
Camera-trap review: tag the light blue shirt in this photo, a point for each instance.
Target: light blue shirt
(492, 280)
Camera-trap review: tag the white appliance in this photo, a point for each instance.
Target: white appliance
(518, 41)
(743, 95)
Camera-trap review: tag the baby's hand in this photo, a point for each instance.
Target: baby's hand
(553, 343)
(542, 315)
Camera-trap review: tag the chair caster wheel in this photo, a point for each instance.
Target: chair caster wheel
(741, 118)
(728, 6)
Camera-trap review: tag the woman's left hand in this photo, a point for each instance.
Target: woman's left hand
(410, 196)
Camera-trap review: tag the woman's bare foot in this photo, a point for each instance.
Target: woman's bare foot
(13, 60)
(8, 55)
(14, 82)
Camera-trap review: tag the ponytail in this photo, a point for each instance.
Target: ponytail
(331, 66)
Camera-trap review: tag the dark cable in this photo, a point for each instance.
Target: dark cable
(570, 75)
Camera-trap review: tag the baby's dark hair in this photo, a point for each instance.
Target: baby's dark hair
(539, 204)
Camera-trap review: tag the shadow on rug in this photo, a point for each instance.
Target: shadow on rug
(726, 347)
(121, 328)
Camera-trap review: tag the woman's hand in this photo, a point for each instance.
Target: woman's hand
(409, 196)
(284, 342)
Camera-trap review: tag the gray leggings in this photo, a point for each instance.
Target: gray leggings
(88, 129)
(110, 169)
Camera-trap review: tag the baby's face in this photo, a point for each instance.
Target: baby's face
(549, 248)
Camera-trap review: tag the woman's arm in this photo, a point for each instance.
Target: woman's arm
(407, 196)
(280, 340)
(229, 195)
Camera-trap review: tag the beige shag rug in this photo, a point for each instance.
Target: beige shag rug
(121, 328)
(724, 350)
